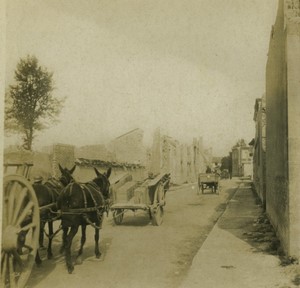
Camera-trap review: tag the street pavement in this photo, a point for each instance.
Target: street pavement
(228, 259)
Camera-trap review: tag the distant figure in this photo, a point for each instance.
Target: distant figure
(217, 169)
(208, 170)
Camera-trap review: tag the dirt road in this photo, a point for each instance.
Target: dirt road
(137, 254)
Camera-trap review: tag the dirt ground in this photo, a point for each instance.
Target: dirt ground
(136, 253)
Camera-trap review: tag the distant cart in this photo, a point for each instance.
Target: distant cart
(208, 181)
(148, 195)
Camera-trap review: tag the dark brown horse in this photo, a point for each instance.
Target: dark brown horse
(82, 204)
(47, 194)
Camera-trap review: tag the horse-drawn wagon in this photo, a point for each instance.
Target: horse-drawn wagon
(208, 181)
(25, 210)
(148, 195)
(20, 226)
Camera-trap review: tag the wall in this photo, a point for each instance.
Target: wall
(235, 162)
(129, 147)
(259, 154)
(94, 152)
(183, 161)
(64, 155)
(44, 164)
(282, 142)
(293, 88)
(241, 160)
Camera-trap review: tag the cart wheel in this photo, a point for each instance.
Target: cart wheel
(218, 189)
(158, 212)
(20, 228)
(118, 215)
(157, 216)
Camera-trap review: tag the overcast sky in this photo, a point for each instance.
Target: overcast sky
(192, 67)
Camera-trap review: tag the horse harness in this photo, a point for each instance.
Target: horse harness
(99, 209)
(54, 187)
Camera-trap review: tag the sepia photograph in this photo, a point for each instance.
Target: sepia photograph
(150, 143)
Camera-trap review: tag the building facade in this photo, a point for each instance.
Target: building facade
(282, 126)
(259, 149)
(242, 165)
(183, 161)
(129, 147)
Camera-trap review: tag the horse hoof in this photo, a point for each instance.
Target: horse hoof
(50, 256)
(70, 270)
(98, 255)
(38, 263)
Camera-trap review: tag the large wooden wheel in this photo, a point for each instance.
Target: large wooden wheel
(157, 212)
(20, 231)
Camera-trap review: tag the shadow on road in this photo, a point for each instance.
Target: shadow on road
(47, 267)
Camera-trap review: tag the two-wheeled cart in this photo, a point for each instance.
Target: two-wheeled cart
(208, 181)
(148, 195)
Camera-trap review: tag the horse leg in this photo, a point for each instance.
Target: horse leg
(150, 215)
(83, 239)
(41, 236)
(38, 260)
(68, 245)
(49, 251)
(97, 236)
(64, 238)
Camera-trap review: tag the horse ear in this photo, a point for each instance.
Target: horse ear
(73, 169)
(97, 172)
(61, 169)
(108, 172)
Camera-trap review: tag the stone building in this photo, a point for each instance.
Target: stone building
(283, 122)
(129, 147)
(259, 149)
(242, 160)
(183, 161)
(96, 151)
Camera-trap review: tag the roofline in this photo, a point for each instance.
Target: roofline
(128, 132)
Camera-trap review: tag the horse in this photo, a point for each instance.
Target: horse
(83, 204)
(47, 194)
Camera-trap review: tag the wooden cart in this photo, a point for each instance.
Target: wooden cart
(148, 195)
(20, 226)
(208, 181)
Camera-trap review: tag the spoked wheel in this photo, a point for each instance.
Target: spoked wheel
(158, 203)
(20, 231)
(217, 189)
(157, 216)
(118, 215)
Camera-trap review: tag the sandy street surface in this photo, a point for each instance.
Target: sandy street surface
(137, 254)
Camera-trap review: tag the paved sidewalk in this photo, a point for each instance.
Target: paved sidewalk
(227, 259)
